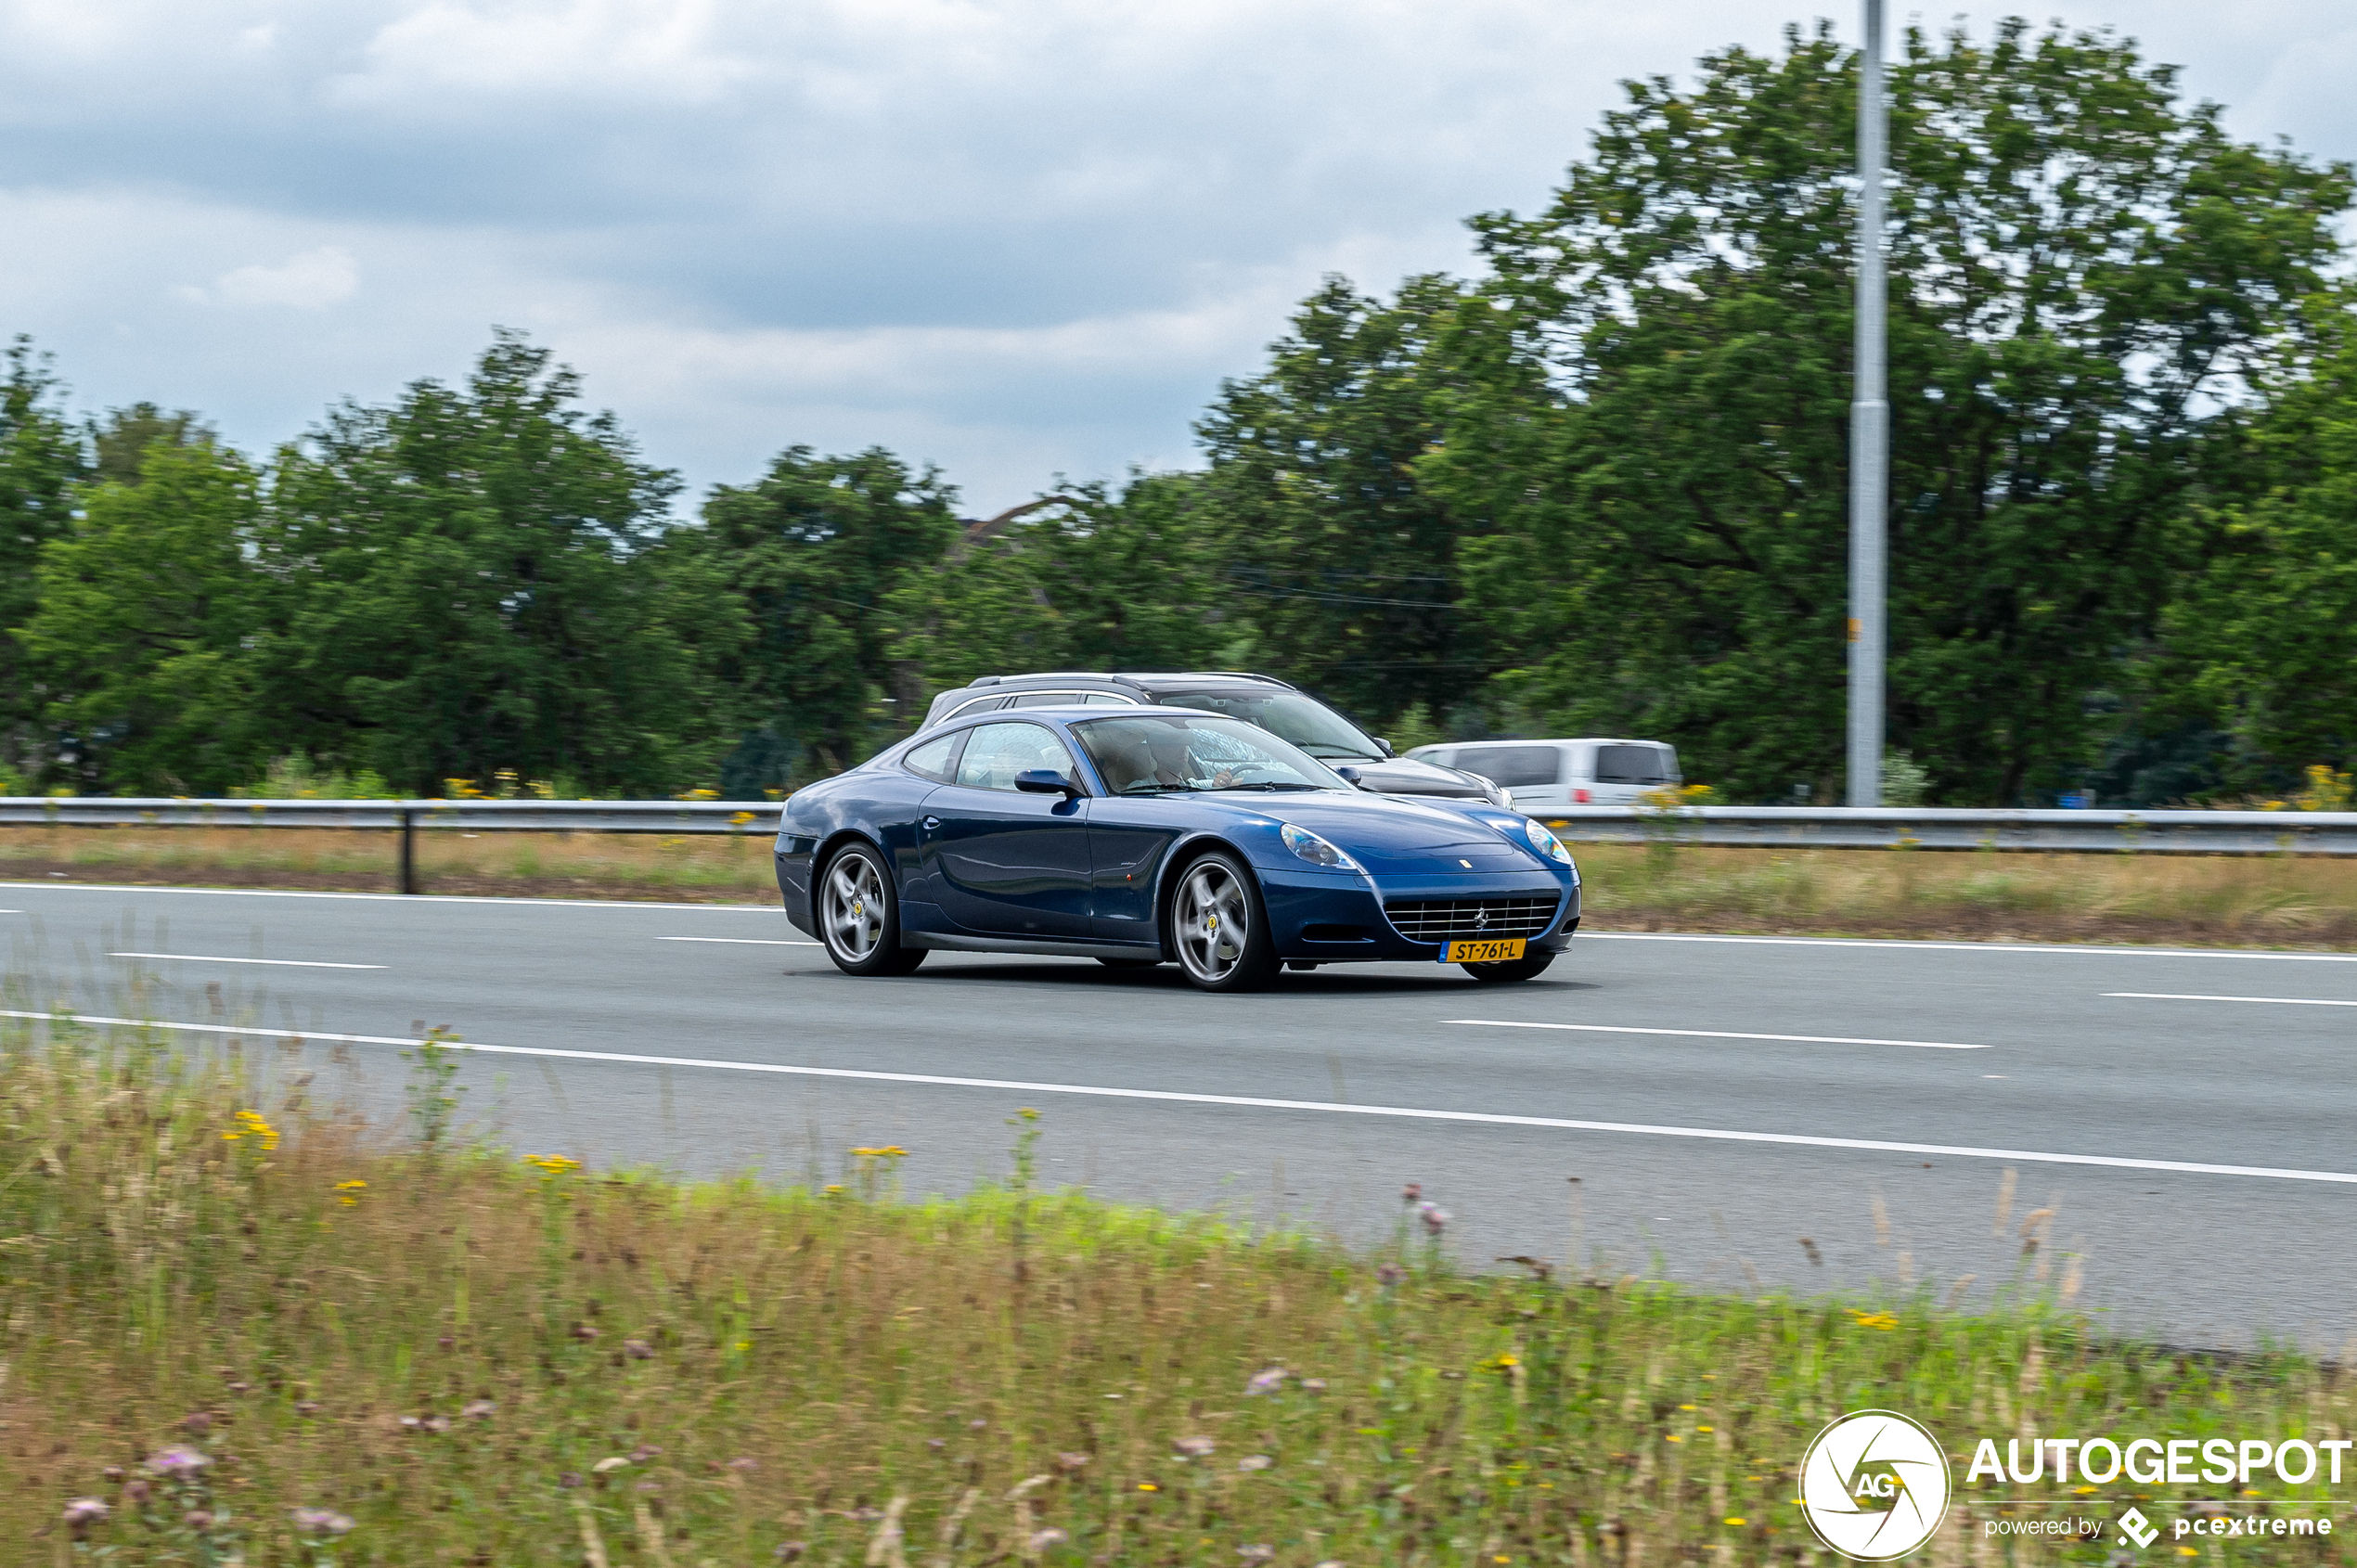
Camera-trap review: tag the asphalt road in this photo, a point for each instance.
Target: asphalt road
(2184, 1116)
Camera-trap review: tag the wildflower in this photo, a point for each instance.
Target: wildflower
(611, 1461)
(251, 1123)
(82, 1512)
(348, 1192)
(1313, 1386)
(584, 1332)
(1257, 1552)
(1883, 1320)
(1410, 1193)
(788, 1550)
(554, 1164)
(639, 1350)
(306, 1407)
(1068, 1463)
(568, 1480)
(1390, 1273)
(479, 1409)
(437, 1423)
(1148, 1487)
(935, 1444)
(409, 1423)
(135, 1490)
(1262, 1382)
(177, 1461)
(1051, 1536)
(1255, 1461)
(1735, 1518)
(745, 1464)
(977, 1423)
(1434, 1217)
(1193, 1447)
(320, 1521)
(198, 1518)
(888, 1151)
(643, 1452)
(198, 1421)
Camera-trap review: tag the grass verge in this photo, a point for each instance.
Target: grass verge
(2202, 900)
(241, 1329)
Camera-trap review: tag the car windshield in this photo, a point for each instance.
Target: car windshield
(1137, 755)
(1305, 721)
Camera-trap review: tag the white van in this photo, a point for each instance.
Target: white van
(1545, 774)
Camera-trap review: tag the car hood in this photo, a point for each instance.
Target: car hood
(1414, 776)
(1384, 830)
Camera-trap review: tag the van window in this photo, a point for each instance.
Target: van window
(1513, 767)
(1636, 764)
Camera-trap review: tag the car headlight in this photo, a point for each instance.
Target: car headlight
(1316, 851)
(1545, 842)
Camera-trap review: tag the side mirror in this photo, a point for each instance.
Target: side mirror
(1384, 746)
(1350, 776)
(1045, 781)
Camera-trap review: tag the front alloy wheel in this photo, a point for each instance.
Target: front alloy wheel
(859, 917)
(1218, 928)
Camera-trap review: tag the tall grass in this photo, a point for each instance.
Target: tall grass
(467, 1357)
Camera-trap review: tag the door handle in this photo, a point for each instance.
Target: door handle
(932, 824)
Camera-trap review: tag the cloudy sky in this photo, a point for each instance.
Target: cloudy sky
(1014, 238)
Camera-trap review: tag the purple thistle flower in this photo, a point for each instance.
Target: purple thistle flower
(82, 1512)
(639, 1350)
(1051, 1536)
(177, 1459)
(1390, 1273)
(480, 1410)
(1255, 1461)
(1436, 1218)
(1257, 1552)
(1193, 1447)
(1267, 1382)
(320, 1521)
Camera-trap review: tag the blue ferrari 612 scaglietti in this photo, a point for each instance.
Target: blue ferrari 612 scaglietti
(1139, 838)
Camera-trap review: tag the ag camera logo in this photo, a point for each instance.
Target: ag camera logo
(1874, 1486)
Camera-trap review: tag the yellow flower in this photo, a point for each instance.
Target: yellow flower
(555, 1165)
(251, 1123)
(348, 1192)
(1873, 1320)
(1705, 1429)
(1738, 1519)
(889, 1151)
(1148, 1487)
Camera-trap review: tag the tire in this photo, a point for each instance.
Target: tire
(1131, 963)
(1511, 970)
(859, 914)
(1210, 899)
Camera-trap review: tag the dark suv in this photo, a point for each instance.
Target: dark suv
(1283, 710)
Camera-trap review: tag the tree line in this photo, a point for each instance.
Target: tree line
(1597, 487)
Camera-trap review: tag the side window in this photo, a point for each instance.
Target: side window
(979, 705)
(1513, 767)
(1107, 699)
(1045, 699)
(995, 752)
(934, 759)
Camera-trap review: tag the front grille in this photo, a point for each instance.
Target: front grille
(1451, 919)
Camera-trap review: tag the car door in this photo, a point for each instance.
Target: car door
(1001, 862)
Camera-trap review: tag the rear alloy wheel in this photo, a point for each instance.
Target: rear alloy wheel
(859, 917)
(1219, 929)
(1512, 970)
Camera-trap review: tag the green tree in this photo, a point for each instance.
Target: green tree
(144, 634)
(2266, 635)
(1340, 566)
(468, 581)
(42, 460)
(811, 554)
(119, 441)
(1653, 426)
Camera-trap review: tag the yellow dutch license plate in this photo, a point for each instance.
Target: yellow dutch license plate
(1481, 952)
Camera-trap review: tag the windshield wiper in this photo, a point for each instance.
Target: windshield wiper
(1272, 784)
(1322, 753)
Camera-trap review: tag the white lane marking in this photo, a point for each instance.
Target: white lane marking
(391, 897)
(1961, 946)
(2279, 1001)
(742, 941)
(213, 958)
(1712, 1034)
(1253, 1102)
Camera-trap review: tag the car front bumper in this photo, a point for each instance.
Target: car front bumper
(1328, 918)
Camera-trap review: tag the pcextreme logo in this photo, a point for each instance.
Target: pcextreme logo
(1874, 1486)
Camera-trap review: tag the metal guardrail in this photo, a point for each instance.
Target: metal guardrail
(405, 817)
(2142, 832)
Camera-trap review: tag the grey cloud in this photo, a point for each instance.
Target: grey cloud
(1012, 237)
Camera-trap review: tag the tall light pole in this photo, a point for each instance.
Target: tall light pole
(1869, 434)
